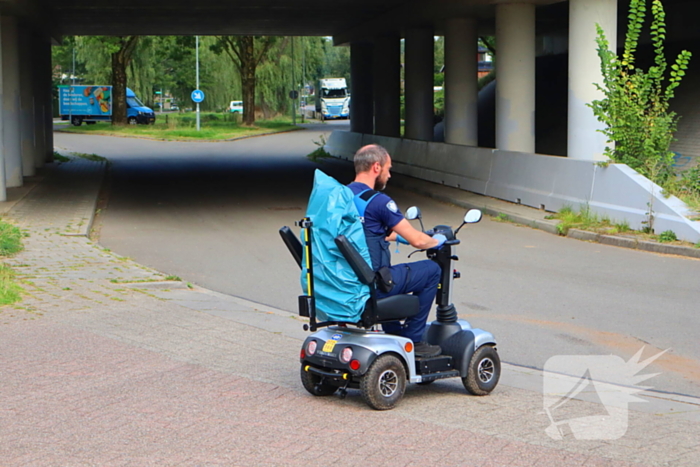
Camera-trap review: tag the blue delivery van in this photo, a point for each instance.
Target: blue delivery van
(92, 104)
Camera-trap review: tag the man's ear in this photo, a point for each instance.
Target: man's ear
(377, 168)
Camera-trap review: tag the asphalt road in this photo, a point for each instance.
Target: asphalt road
(209, 213)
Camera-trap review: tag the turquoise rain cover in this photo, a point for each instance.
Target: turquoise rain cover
(340, 296)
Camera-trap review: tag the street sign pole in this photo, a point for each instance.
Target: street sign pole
(197, 52)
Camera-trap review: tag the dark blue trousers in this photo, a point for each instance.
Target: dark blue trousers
(421, 279)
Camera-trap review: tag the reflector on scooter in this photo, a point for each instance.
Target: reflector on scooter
(355, 365)
(408, 347)
(311, 347)
(346, 355)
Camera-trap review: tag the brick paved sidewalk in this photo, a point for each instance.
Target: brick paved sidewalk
(105, 362)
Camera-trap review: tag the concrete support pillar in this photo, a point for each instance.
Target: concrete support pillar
(361, 96)
(38, 93)
(387, 86)
(26, 79)
(11, 108)
(461, 90)
(46, 91)
(584, 141)
(418, 75)
(515, 88)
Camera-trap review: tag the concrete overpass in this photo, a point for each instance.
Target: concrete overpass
(524, 29)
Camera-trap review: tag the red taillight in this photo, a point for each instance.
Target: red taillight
(302, 354)
(311, 347)
(355, 365)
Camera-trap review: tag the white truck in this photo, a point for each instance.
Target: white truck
(332, 98)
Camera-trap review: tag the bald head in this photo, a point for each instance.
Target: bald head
(367, 156)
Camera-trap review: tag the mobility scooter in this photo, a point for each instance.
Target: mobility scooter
(339, 355)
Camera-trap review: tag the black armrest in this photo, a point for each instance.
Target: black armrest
(292, 243)
(357, 262)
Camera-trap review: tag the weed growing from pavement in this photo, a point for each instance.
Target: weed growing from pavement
(320, 152)
(9, 289)
(10, 244)
(667, 236)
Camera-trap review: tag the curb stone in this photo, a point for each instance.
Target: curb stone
(633, 243)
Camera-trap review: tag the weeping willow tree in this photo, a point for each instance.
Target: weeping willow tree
(107, 59)
(168, 63)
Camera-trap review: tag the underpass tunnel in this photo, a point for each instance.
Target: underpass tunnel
(374, 31)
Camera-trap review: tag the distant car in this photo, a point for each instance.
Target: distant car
(174, 107)
(236, 107)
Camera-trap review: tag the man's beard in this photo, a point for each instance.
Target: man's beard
(379, 184)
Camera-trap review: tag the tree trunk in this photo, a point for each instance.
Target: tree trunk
(248, 66)
(120, 61)
(118, 90)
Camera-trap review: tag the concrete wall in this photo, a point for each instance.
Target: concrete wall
(543, 182)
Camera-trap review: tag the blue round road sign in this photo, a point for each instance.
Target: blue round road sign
(197, 96)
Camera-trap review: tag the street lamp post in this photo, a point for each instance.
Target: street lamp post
(197, 55)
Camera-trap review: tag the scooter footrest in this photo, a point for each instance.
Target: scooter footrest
(441, 375)
(437, 364)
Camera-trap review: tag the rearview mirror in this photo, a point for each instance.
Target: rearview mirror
(472, 216)
(413, 213)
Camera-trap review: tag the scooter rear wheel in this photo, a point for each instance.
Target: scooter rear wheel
(484, 371)
(384, 383)
(315, 385)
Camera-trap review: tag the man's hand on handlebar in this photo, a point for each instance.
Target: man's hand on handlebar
(440, 239)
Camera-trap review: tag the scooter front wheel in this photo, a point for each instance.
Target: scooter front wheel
(384, 383)
(484, 371)
(315, 385)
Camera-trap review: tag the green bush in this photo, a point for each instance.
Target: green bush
(635, 107)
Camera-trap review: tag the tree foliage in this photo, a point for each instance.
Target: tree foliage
(246, 53)
(107, 59)
(168, 63)
(635, 107)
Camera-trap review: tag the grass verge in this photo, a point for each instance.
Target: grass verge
(182, 127)
(584, 219)
(10, 244)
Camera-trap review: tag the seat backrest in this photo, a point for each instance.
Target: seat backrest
(356, 261)
(293, 243)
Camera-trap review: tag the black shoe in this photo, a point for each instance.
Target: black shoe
(423, 349)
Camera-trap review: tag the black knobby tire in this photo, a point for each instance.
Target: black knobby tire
(384, 383)
(313, 384)
(484, 371)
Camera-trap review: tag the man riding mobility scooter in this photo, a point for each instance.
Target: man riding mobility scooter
(347, 349)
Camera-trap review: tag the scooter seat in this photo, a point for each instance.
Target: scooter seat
(397, 307)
